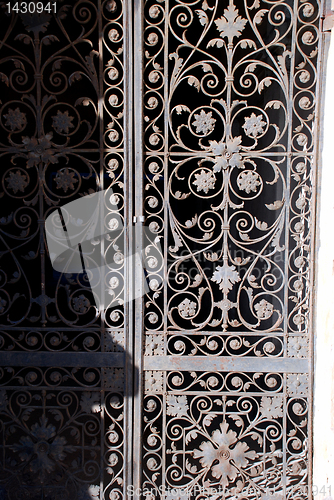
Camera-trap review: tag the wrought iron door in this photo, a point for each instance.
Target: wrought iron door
(202, 117)
(66, 132)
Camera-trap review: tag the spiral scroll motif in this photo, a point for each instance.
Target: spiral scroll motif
(230, 140)
(61, 138)
(236, 157)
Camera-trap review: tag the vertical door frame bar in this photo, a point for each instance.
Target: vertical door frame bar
(138, 96)
(100, 187)
(315, 207)
(128, 190)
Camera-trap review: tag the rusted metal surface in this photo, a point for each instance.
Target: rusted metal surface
(65, 114)
(202, 118)
(231, 118)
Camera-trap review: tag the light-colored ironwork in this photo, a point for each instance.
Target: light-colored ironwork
(202, 117)
(231, 124)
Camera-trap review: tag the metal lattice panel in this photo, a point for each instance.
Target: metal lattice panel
(230, 138)
(200, 117)
(63, 92)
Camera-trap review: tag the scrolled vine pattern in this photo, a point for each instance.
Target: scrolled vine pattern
(62, 109)
(52, 442)
(230, 119)
(237, 161)
(224, 443)
(61, 138)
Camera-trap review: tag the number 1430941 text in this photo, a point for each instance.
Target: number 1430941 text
(31, 7)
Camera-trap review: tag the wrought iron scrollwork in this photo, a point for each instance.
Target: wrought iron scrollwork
(61, 137)
(230, 141)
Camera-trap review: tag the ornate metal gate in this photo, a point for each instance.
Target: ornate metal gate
(202, 118)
